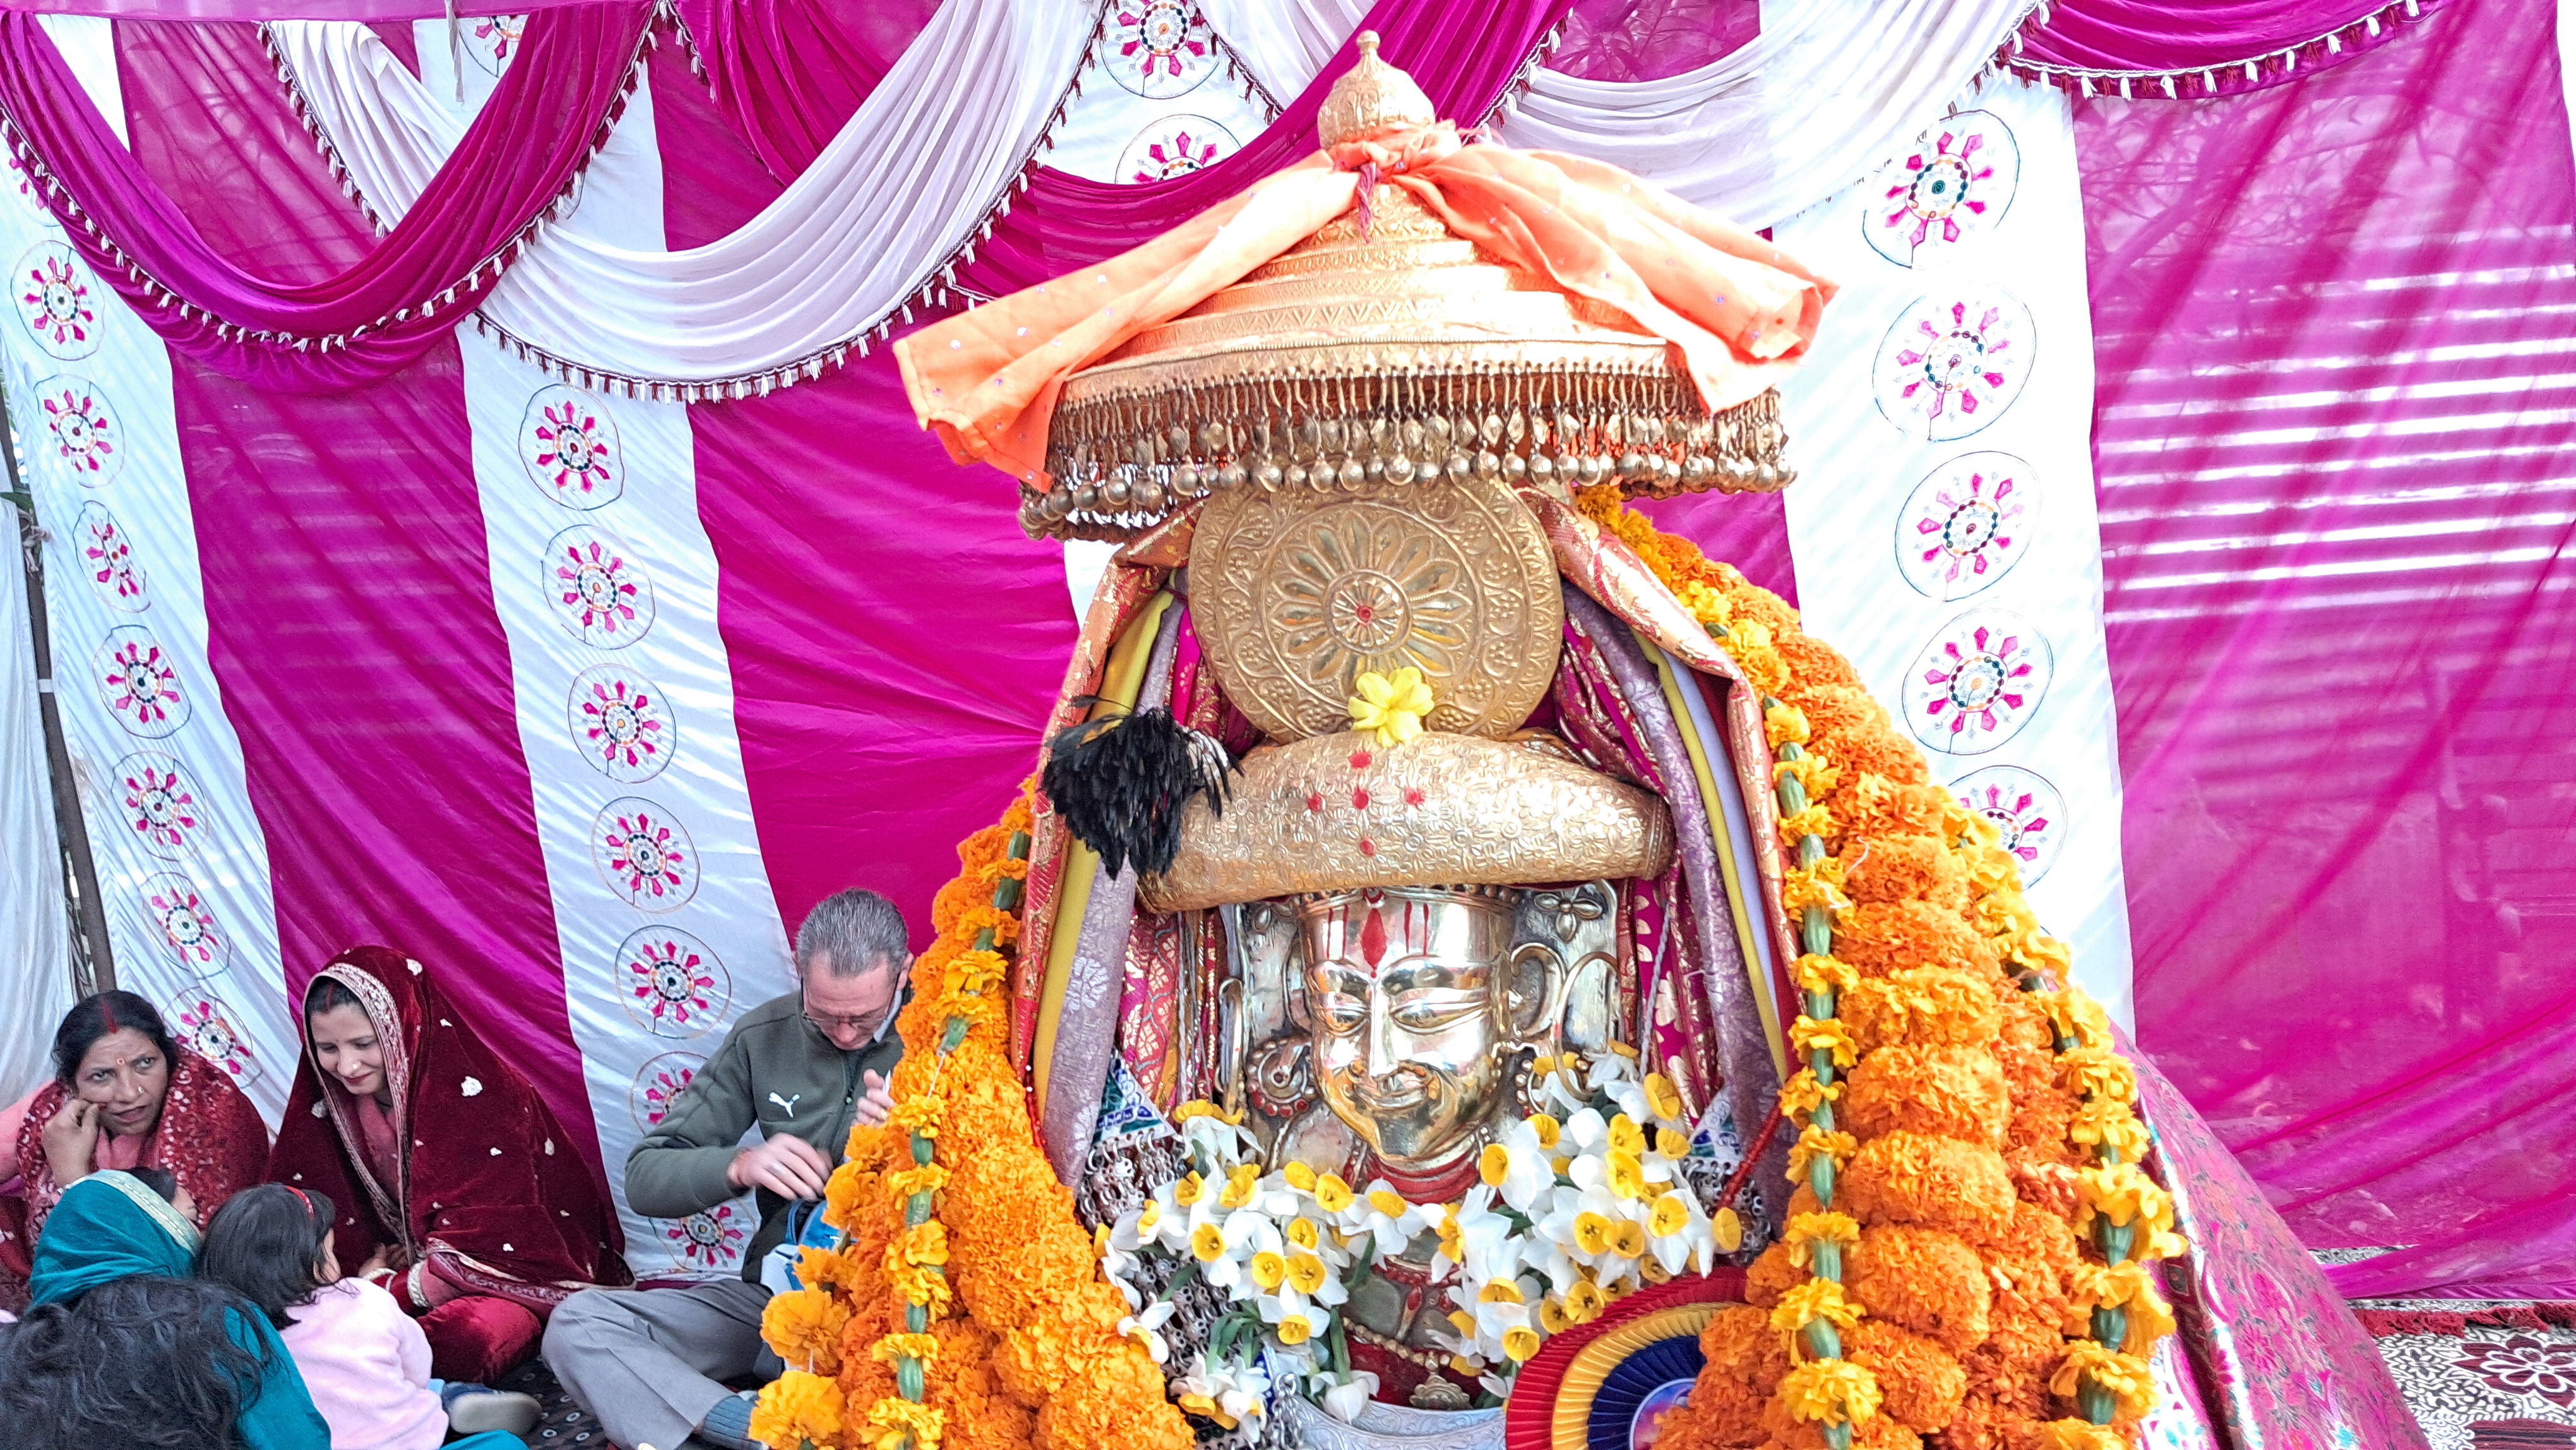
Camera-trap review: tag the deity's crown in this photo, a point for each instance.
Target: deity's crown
(1371, 96)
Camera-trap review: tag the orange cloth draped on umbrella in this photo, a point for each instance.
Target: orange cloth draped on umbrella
(1739, 309)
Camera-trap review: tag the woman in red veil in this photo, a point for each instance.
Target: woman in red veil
(460, 1193)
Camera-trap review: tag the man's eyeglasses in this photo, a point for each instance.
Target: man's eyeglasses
(856, 1022)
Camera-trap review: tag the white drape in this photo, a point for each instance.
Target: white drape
(1285, 43)
(925, 159)
(1827, 90)
(35, 959)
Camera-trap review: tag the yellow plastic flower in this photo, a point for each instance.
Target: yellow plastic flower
(796, 1409)
(1394, 707)
(1831, 1392)
(2125, 1377)
(1815, 1141)
(1824, 974)
(1801, 1095)
(1808, 1035)
(1808, 1229)
(1784, 725)
(1332, 1195)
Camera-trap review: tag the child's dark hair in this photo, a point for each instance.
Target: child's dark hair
(262, 1244)
(160, 1180)
(143, 1361)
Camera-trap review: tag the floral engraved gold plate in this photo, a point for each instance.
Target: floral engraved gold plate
(1296, 594)
(1339, 813)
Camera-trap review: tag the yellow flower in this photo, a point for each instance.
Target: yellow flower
(1303, 1233)
(1671, 1143)
(1806, 886)
(1548, 1130)
(1463, 1322)
(1815, 820)
(1332, 1195)
(1812, 772)
(1269, 1270)
(975, 973)
(1831, 1392)
(803, 1326)
(1585, 1301)
(1728, 1229)
(1452, 1238)
(2125, 1377)
(2129, 1286)
(2077, 1016)
(2097, 1072)
(797, 1407)
(1591, 1233)
(1809, 1035)
(892, 1421)
(1628, 1239)
(1519, 1343)
(2108, 1123)
(1207, 1243)
(927, 1178)
(1299, 1176)
(1824, 974)
(1205, 1408)
(1386, 1201)
(923, 1245)
(1671, 1215)
(1815, 1142)
(1189, 1190)
(1393, 707)
(1494, 1165)
(2122, 1193)
(1784, 725)
(1807, 1229)
(1500, 1291)
(923, 1347)
(2040, 952)
(1307, 1273)
(2077, 1435)
(1801, 1095)
(1202, 1108)
(1627, 1173)
(1295, 1329)
(918, 1115)
(1813, 1300)
(1240, 1184)
(1552, 1316)
(925, 1287)
(1625, 1135)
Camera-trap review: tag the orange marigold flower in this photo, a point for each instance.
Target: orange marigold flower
(2097, 1072)
(2131, 1385)
(1830, 1392)
(892, 1421)
(797, 1410)
(803, 1326)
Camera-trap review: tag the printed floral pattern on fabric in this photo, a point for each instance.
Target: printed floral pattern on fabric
(1158, 48)
(206, 1028)
(598, 587)
(671, 983)
(1952, 187)
(495, 39)
(81, 433)
(138, 684)
(56, 301)
(107, 561)
(23, 184)
(187, 923)
(570, 447)
(621, 724)
(2028, 810)
(1951, 364)
(658, 1085)
(157, 803)
(644, 855)
(2523, 1365)
(1175, 146)
(1966, 525)
(708, 1242)
(1977, 682)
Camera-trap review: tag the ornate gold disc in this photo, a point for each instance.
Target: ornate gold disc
(1297, 593)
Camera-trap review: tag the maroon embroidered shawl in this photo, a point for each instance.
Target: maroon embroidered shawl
(491, 1197)
(209, 1137)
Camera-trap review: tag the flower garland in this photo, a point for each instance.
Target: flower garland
(951, 1206)
(1571, 1215)
(1929, 1277)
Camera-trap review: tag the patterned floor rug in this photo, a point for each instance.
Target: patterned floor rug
(2488, 1388)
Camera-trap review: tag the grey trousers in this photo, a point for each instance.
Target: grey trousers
(647, 1361)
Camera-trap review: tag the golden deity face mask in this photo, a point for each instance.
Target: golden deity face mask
(1406, 993)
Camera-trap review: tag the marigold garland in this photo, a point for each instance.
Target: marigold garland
(1916, 941)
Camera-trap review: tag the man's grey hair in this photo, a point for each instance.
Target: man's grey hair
(856, 932)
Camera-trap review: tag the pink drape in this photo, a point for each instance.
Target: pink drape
(788, 73)
(2337, 456)
(2189, 35)
(1650, 40)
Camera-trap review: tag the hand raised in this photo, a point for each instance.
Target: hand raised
(784, 1164)
(71, 1140)
(873, 1108)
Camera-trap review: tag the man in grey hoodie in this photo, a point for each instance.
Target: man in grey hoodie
(805, 1068)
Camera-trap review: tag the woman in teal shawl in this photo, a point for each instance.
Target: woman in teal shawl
(121, 1346)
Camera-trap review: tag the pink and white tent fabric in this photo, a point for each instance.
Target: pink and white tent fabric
(481, 515)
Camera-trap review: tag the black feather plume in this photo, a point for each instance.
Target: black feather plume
(1122, 782)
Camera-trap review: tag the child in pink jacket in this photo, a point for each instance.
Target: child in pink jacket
(364, 1360)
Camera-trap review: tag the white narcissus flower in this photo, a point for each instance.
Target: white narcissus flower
(1147, 1329)
(1215, 1145)
(1586, 1131)
(1345, 1400)
(1517, 1166)
(1383, 1215)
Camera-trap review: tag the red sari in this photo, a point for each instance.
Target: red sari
(468, 1174)
(208, 1136)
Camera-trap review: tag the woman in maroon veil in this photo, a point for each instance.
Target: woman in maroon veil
(460, 1193)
